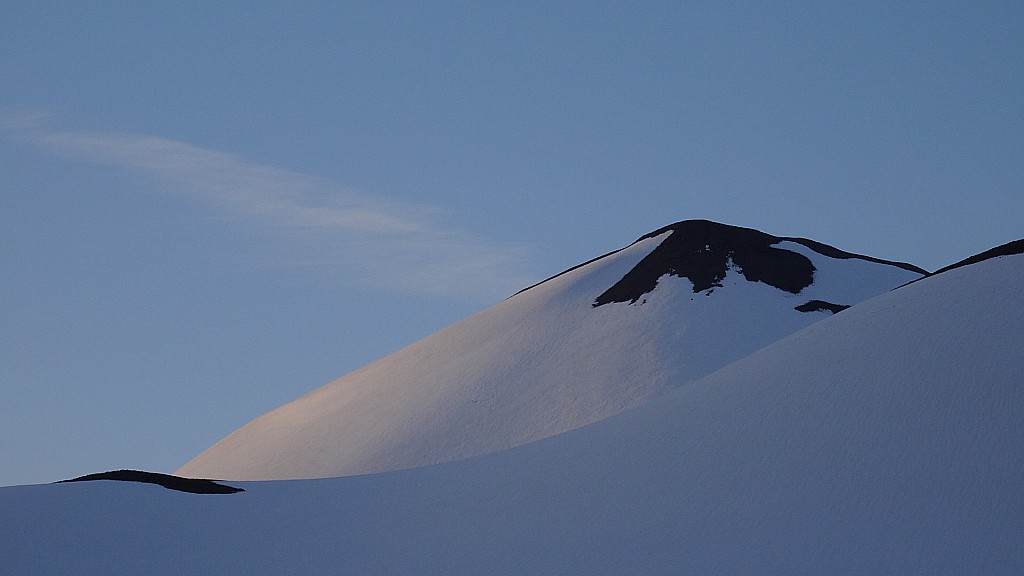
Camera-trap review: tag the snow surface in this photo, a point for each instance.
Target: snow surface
(540, 363)
(882, 440)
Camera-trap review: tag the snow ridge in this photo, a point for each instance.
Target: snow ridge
(553, 358)
(881, 440)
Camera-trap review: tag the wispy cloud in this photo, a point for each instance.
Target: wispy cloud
(375, 241)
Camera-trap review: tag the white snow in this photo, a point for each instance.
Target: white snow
(540, 363)
(882, 440)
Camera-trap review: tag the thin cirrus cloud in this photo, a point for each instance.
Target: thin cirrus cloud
(374, 241)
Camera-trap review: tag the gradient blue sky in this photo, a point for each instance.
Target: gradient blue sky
(208, 209)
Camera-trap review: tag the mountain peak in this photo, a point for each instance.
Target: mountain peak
(704, 251)
(553, 359)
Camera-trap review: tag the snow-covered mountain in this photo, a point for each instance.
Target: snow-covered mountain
(598, 339)
(881, 440)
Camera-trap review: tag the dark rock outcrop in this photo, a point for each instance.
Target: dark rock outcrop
(820, 306)
(192, 485)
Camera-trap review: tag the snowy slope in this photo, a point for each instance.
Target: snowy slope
(601, 338)
(882, 440)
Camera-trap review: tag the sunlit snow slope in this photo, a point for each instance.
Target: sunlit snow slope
(598, 339)
(883, 440)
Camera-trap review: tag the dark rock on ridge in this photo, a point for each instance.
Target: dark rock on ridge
(832, 252)
(704, 269)
(192, 485)
(1008, 249)
(703, 252)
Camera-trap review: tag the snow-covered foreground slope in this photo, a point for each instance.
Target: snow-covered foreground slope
(599, 339)
(882, 440)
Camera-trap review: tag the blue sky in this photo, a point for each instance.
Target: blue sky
(208, 210)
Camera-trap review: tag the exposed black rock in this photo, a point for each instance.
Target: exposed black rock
(1008, 249)
(832, 252)
(694, 229)
(703, 251)
(820, 305)
(192, 485)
